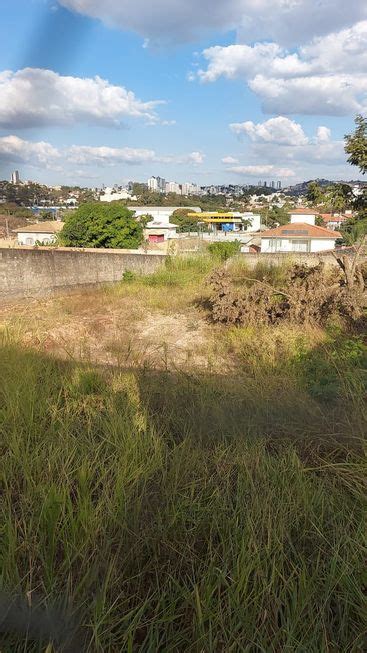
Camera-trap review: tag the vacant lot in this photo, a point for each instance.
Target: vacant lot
(169, 484)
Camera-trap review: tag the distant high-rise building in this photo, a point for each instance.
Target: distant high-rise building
(152, 184)
(279, 185)
(157, 184)
(173, 187)
(259, 183)
(273, 184)
(265, 184)
(15, 179)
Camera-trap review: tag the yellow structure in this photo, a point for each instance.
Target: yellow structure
(215, 217)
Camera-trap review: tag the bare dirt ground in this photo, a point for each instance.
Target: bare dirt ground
(103, 328)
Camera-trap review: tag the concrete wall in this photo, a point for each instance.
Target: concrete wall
(33, 272)
(279, 258)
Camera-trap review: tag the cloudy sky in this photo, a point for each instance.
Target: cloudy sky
(104, 91)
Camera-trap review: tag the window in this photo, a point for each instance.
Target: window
(29, 241)
(301, 245)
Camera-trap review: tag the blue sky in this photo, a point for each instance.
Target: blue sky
(102, 92)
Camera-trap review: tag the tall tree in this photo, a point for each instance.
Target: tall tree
(102, 225)
(356, 147)
(356, 144)
(315, 193)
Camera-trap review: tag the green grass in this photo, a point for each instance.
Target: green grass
(186, 512)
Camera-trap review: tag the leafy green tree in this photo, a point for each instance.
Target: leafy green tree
(184, 222)
(354, 229)
(315, 193)
(356, 144)
(46, 215)
(275, 215)
(339, 197)
(102, 225)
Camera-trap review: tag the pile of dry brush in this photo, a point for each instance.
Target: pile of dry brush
(310, 295)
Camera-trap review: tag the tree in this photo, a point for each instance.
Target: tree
(275, 216)
(339, 197)
(315, 193)
(183, 221)
(356, 145)
(46, 215)
(102, 225)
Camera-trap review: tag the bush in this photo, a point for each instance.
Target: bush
(100, 225)
(128, 276)
(224, 251)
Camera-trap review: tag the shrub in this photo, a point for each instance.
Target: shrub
(128, 276)
(99, 225)
(224, 251)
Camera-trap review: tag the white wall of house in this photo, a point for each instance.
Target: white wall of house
(298, 218)
(111, 195)
(255, 221)
(161, 213)
(322, 244)
(31, 238)
(297, 245)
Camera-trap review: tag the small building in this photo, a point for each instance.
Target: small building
(229, 222)
(334, 220)
(113, 195)
(298, 237)
(43, 233)
(159, 232)
(303, 216)
(160, 213)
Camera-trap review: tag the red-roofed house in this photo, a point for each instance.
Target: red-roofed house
(332, 221)
(298, 237)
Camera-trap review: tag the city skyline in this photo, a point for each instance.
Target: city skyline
(105, 94)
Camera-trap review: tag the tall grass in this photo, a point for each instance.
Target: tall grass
(176, 512)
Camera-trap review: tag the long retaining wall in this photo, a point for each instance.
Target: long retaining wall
(33, 272)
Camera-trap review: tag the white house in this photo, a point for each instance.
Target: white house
(299, 236)
(112, 195)
(334, 220)
(158, 232)
(303, 216)
(42, 232)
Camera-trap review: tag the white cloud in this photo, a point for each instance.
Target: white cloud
(334, 95)
(323, 135)
(286, 21)
(44, 155)
(280, 147)
(109, 156)
(262, 170)
(280, 131)
(197, 158)
(228, 160)
(325, 76)
(35, 97)
(17, 150)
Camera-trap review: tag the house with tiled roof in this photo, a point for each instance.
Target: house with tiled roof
(43, 233)
(334, 220)
(299, 236)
